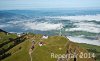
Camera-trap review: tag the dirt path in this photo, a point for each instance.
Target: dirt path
(31, 51)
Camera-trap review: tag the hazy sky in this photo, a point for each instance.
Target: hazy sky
(31, 4)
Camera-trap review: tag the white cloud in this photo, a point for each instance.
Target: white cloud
(83, 40)
(41, 26)
(80, 17)
(89, 27)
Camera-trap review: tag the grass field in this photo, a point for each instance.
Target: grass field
(53, 44)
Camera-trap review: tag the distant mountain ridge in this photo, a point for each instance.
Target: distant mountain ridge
(3, 31)
(9, 14)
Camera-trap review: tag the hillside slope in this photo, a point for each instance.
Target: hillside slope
(33, 47)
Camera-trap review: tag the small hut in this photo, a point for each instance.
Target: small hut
(41, 43)
(45, 37)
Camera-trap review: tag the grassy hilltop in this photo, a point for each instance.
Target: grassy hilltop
(27, 47)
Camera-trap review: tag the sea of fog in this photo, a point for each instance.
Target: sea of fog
(82, 26)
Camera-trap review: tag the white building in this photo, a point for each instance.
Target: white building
(45, 37)
(19, 34)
